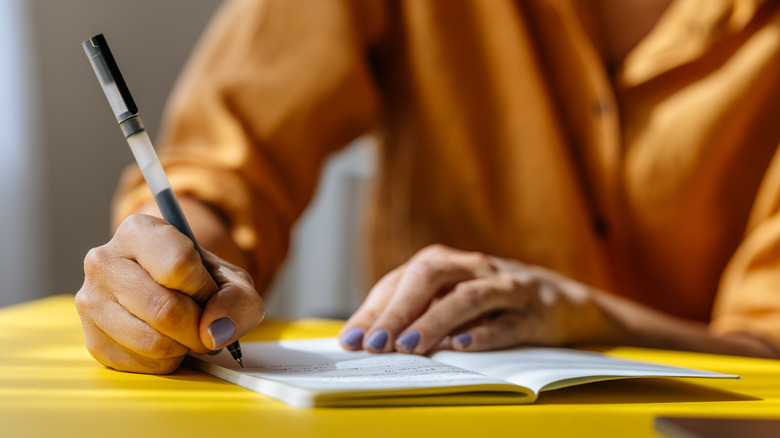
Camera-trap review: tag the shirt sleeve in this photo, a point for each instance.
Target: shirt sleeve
(272, 89)
(749, 295)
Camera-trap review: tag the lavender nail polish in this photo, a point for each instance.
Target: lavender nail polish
(462, 340)
(221, 331)
(353, 338)
(409, 340)
(377, 340)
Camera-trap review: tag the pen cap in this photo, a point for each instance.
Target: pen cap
(111, 80)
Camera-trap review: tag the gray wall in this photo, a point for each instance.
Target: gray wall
(23, 224)
(84, 150)
(75, 150)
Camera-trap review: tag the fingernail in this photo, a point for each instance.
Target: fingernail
(221, 331)
(409, 340)
(377, 340)
(353, 338)
(462, 340)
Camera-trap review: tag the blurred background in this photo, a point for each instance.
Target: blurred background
(61, 151)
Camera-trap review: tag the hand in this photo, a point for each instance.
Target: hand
(147, 299)
(470, 301)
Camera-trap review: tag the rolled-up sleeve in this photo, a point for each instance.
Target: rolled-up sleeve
(749, 295)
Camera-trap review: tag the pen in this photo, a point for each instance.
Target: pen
(126, 113)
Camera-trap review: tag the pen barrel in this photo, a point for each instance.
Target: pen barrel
(172, 212)
(147, 160)
(158, 183)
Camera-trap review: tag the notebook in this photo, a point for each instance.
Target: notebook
(319, 372)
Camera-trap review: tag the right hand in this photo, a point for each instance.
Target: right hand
(147, 299)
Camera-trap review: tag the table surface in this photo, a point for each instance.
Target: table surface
(51, 386)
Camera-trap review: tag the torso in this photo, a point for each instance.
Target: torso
(624, 23)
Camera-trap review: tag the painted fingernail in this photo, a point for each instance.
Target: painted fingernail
(462, 340)
(353, 338)
(377, 340)
(221, 331)
(408, 341)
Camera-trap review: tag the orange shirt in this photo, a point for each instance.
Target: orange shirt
(501, 130)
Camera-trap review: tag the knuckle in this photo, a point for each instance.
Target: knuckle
(479, 259)
(156, 346)
(95, 261)
(166, 311)
(242, 274)
(423, 269)
(471, 295)
(506, 282)
(432, 251)
(132, 224)
(181, 249)
(396, 318)
(245, 276)
(403, 317)
(435, 323)
(83, 301)
(386, 285)
(181, 261)
(524, 278)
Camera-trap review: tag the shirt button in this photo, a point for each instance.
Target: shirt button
(601, 227)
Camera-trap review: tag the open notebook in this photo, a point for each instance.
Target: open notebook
(318, 372)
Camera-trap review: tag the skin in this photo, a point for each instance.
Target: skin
(144, 305)
(442, 293)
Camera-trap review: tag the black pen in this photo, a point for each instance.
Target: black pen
(126, 113)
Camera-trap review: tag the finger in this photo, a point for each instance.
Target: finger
(213, 262)
(431, 272)
(113, 355)
(506, 330)
(111, 326)
(351, 335)
(234, 310)
(123, 289)
(469, 301)
(165, 253)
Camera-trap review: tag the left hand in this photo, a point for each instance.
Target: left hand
(470, 301)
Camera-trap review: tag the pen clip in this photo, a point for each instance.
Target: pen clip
(110, 77)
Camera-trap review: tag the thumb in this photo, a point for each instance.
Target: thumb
(234, 310)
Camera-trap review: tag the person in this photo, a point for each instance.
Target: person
(550, 173)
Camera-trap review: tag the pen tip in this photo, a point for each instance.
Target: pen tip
(235, 351)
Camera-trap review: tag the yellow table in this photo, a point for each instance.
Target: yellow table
(50, 386)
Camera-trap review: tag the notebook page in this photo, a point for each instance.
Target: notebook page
(322, 365)
(548, 368)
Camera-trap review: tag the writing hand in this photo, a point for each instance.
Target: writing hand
(147, 299)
